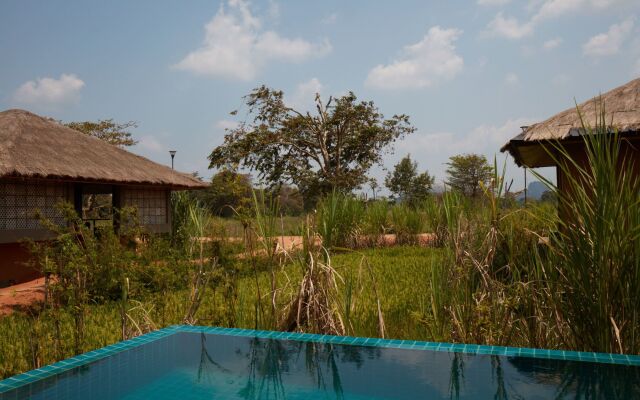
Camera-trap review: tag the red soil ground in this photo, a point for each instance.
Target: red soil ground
(21, 296)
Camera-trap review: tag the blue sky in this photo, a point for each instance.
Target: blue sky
(469, 73)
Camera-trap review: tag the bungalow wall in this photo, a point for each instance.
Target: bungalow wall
(630, 154)
(21, 198)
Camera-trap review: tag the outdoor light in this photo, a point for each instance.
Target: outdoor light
(173, 154)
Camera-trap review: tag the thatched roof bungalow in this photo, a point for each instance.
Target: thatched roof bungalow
(43, 162)
(537, 145)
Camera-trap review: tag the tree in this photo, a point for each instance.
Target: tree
(466, 172)
(373, 184)
(549, 196)
(289, 200)
(405, 182)
(332, 148)
(111, 132)
(229, 192)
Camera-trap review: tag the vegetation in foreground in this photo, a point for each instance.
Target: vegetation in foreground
(499, 273)
(31, 340)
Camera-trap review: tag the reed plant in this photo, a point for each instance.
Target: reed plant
(375, 223)
(407, 223)
(592, 271)
(338, 220)
(315, 307)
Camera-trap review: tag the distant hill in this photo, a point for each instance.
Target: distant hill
(534, 191)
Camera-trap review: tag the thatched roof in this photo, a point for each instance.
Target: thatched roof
(622, 107)
(35, 147)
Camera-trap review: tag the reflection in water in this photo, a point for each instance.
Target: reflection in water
(207, 366)
(582, 380)
(457, 375)
(269, 359)
(232, 367)
(270, 365)
(497, 374)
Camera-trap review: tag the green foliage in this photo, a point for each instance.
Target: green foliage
(230, 302)
(376, 218)
(111, 132)
(593, 267)
(549, 196)
(228, 194)
(338, 219)
(467, 173)
(405, 182)
(332, 149)
(407, 222)
(290, 200)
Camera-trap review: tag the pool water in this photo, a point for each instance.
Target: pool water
(187, 364)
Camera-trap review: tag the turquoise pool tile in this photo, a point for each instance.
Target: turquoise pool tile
(457, 347)
(35, 375)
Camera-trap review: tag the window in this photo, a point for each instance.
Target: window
(97, 205)
(20, 200)
(150, 203)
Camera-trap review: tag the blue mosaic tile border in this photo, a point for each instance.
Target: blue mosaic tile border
(607, 358)
(95, 355)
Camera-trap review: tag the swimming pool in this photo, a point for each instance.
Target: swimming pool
(187, 362)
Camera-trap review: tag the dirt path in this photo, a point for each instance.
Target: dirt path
(21, 296)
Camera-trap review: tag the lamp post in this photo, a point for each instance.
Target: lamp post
(173, 154)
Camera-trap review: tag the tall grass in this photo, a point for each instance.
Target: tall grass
(376, 222)
(477, 296)
(407, 223)
(593, 269)
(338, 220)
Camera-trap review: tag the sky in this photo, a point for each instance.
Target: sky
(468, 73)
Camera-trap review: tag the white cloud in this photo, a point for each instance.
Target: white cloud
(50, 91)
(556, 8)
(543, 10)
(493, 2)
(431, 60)
(151, 144)
(303, 97)
(330, 19)
(509, 27)
(552, 43)
(512, 79)
(236, 46)
(609, 43)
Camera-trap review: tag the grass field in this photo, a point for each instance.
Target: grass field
(401, 275)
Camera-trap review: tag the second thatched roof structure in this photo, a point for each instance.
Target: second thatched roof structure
(35, 147)
(622, 112)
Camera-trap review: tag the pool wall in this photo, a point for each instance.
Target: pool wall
(86, 358)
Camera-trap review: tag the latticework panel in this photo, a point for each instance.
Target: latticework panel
(20, 201)
(151, 204)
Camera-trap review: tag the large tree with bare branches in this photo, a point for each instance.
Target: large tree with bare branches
(332, 148)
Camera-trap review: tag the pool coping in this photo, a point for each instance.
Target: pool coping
(28, 377)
